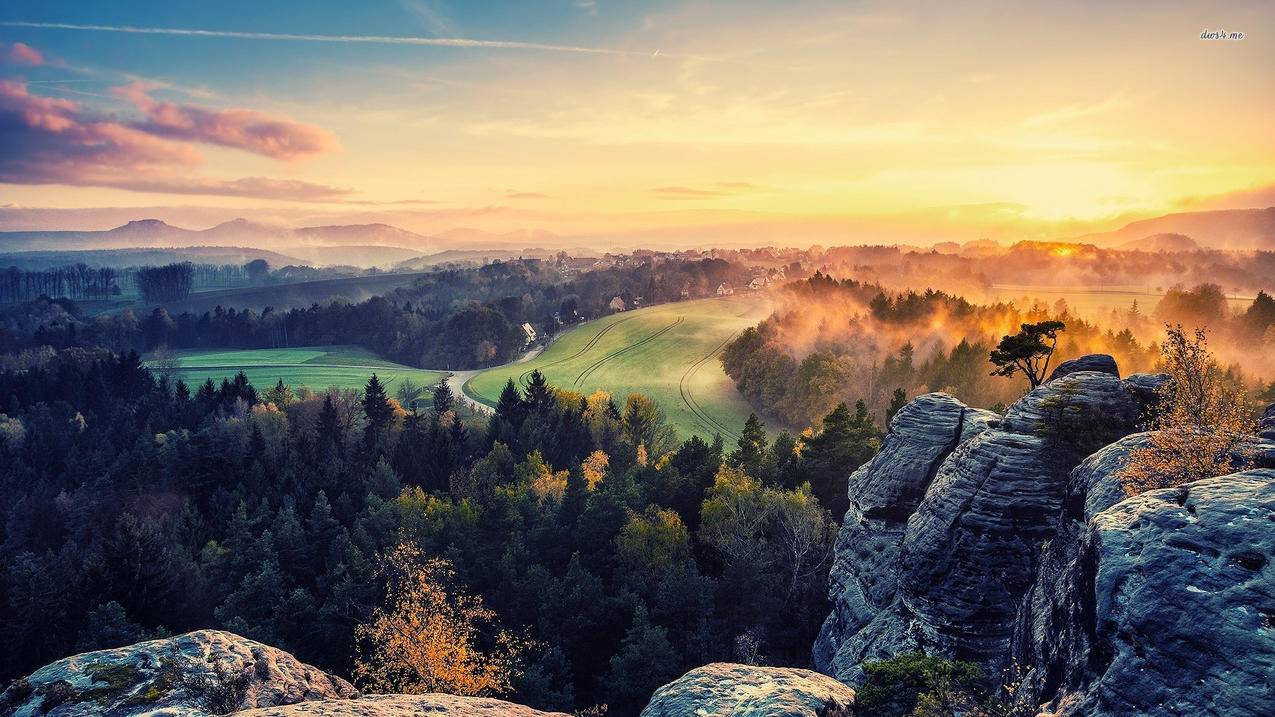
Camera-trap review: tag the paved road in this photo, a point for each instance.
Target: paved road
(456, 379)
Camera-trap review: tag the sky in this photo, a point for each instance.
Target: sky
(876, 120)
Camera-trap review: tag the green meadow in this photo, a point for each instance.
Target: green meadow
(667, 352)
(317, 367)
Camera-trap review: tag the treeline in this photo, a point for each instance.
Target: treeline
(171, 282)
(80, 282)
(133, 507)
(845, 340)
(449, 319)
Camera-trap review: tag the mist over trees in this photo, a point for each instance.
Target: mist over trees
(832, 341)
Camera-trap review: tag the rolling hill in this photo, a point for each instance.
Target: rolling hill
(1221, 229)
(667, 353)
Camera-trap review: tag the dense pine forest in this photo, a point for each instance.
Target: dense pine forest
(135, 508)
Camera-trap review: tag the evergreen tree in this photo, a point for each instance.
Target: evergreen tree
(379, 412)
(329, 430)
(646, 660)
(845, 442)
(539, 396)
(752, 447)
(897, 402)
(444, 401)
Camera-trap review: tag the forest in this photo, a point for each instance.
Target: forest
(836, 340)
(449, 318)
(133, 507)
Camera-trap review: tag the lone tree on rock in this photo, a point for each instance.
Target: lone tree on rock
(1028, 351)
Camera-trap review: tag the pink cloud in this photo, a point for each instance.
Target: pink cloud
(20, 53)
(249, 130)
(56, 141)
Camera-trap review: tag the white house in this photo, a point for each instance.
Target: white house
(530, 332)
(724, 289)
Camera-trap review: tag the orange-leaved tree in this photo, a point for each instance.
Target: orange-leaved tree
(431, 636)
(1202, 420)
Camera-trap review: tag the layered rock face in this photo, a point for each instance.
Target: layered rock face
(883, 494)
(174, 674)
(1162, 604)
(747, 691)
(945, 574)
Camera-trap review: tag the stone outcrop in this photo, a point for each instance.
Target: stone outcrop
(172, 674)
(1102, 363)
(403, 706)
(950, 581)
(747, 691)
(1161, 604)
(883, 495)
(1266, 428)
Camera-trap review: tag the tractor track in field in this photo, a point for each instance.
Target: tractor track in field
(588, 346)
(683, 386)
(588, 371)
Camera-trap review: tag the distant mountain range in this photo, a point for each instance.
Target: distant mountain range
(384, 244)
(1222, 229)
(150, 233)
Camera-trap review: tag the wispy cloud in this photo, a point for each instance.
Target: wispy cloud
(459, 42)
(249, 130)
(526, 195)
(20, 53)
(57, 141)
(717, 189)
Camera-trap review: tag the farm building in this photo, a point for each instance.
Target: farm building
(724, 289)
(617, 304)
(530, 332)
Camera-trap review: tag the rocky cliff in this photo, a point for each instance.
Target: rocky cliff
(1023, 553)
(947, 523)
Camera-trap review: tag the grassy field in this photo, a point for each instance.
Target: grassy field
(317, 367)
(666, 352)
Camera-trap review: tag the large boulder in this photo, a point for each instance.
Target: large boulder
(951, 583)
(884, 493)
(1102, 363)
(1162, 604)
(177, 674)
(403, 706)
(747, 691)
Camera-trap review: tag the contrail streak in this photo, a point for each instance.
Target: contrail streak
(369, 39)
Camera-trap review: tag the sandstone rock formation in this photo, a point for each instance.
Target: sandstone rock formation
(173, 674)
(402, 706)
(883, 494)
(1162, 604)
(747, 691)
(1102, 363)
(951, 580)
